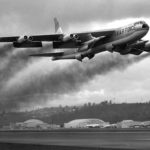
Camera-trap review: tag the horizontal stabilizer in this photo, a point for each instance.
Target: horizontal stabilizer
(48, 54)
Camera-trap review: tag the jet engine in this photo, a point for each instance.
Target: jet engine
(84, 54)
(30, 38)
(26, 41)
(147, 47)
(79, 57)
(69, 37)
(89, 44)
(65, 38)
(75, 37)
(138, 44)
(22, 39)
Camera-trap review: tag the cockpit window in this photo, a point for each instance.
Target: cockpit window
(140, 22)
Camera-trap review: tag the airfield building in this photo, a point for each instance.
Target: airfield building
(85, 123)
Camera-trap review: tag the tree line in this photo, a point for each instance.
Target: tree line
(106, 111)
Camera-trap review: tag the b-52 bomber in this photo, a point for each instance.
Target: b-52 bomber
(124, 40)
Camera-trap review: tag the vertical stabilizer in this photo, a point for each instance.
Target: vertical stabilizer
(57, 26)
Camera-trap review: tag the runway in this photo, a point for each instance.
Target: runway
(88, 138)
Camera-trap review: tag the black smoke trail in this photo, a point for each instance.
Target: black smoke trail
(61, 80)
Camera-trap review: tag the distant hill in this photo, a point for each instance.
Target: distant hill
(106, 111)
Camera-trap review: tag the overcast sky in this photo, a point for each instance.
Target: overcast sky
(19, 17)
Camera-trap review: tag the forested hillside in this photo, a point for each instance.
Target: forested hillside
(106, 111)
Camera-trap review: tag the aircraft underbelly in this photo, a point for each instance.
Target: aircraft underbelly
(127, 40)
(119, 42)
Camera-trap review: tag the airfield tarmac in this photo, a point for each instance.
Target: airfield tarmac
(88, 138)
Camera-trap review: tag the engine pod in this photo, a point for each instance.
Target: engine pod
(27, 44)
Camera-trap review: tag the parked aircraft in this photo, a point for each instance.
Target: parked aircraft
(124, 40)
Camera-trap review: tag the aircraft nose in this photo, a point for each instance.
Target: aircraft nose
(145, 26)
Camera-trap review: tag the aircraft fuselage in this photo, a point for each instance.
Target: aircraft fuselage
(124, 40)
(122, 37)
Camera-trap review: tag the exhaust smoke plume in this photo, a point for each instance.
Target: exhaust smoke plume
(12, 60)
(30, 85)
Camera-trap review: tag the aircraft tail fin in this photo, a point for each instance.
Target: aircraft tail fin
(57, 27)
